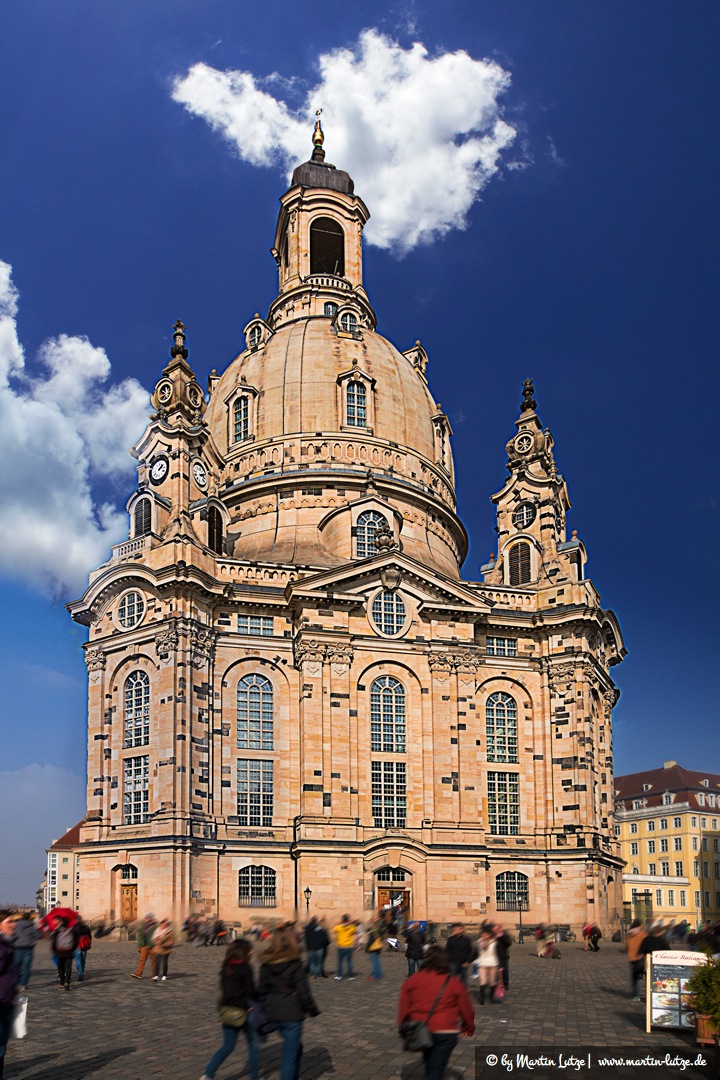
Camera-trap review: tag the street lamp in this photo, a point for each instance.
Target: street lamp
(307, 894)
(521, 905)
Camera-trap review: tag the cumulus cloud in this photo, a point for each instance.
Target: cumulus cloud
(44, 802)
(60, 431)
(421, 135)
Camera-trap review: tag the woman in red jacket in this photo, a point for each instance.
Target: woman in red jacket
(453, 1010)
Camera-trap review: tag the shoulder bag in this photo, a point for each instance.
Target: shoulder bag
(416, 1033)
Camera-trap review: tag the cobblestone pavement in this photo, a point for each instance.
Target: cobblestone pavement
(112, 1026)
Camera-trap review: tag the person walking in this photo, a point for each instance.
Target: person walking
(594, 937)
(286, 996)
(8, 981)
(237, 990)
(144, 941)
(163, 942)
(636, 957)
(26, 935)
(503, 941)
(488, 964)
(461, 952)
(436, 997)
(345, 933)
(316, 943)
(374, 947)
(83, 947)
(63, 942)
(415, 946)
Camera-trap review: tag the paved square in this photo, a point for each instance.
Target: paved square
(113, 1026)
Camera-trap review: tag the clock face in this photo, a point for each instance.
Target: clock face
(159, 469)
(523, 443)
(200, 474)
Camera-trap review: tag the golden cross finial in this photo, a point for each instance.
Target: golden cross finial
(318, 134)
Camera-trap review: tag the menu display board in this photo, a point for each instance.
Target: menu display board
(668, 999)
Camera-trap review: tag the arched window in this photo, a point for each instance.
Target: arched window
(143, 517)
(387, 716)
(348, 322)
(367, 524)
(137, 709)
(520, 563)
(501, 728)
(388, 612)
(511, 887)
(255, 713)
(241, 419)
(330, 310)
(356, 404)
(327, 247)
(256, 887)
(215, 530)
(254, 337)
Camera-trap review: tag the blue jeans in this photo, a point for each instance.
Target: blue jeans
(376, 971)
(80, 955)
(230, 1035)
(23, 963)
(413, 965)
(437, 1057)
(291, 1032)
(315, 962)
(346, 955)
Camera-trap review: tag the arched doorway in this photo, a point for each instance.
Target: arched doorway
(393, 893)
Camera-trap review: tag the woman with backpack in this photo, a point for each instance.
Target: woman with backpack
(236, 993)
(63, 942)
(286, 996)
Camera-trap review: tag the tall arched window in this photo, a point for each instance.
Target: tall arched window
(254, 713)
(256, 887)
(511, 887)
(215, 530)
(327, 247)
(143, 517)
(501, 728)
(387, 716)
(367, 524)
(137, 709)
(356, 404)
(241, 419)
(520, 563)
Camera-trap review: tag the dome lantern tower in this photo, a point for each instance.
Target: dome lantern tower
(318, 243)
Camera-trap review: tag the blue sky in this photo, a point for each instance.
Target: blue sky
(579, 247)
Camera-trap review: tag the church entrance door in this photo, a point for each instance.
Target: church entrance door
(395, 900)
(128, 903)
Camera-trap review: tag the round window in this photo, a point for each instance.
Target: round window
(388, 612)
(523, 515)
(131, 610)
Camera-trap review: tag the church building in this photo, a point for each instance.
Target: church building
(296, 702)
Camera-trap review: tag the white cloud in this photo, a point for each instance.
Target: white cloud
(60, 431)
(421, 135)
(43, 802)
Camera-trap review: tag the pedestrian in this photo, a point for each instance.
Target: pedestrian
(83, 947)
(316, 944)
(655, 941)
(636, 958)
(26, 935)
(433, 990)
(374, 947)
(461, 951)
(286, 996)
(237, 991)
(8, 981)
(488, 964)
(345, 933)
(163, 942)
(594, 937)
(63, 942)
(503, 941)
(415, 946)
(144, 941)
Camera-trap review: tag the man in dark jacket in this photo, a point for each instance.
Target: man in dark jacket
(25, 938)
(316, 943)
(415, 942)
(8, 982)
(461, 951)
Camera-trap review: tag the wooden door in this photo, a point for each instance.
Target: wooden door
(397, 899)
(128, 903)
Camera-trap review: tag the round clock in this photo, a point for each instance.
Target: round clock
(200, 474)
(159, 469)
(523, 442)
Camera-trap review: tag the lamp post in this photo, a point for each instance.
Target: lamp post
(522, 905)
(307, 893)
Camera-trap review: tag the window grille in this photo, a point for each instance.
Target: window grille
(389, 794)
(129, 872)
(254, 337)
(356, 403)
(367, 525)
(388, 611)
(503, 803)
(136, 782)
(330, 310)
(137, 709)
(501, 728)
(524, 515)
(387, 716)
(349, 322)
(255, 713)
(500, 646)
(520, 563)
(391, 873)
(255, 793)
(255, 625)
(131, 610)
(257, 887)
(241, 419)
(511, 887)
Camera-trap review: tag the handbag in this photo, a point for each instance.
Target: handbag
(18, 1021)
(416, 1033)
(232, 1016)
(257, 1018)
(499, 993)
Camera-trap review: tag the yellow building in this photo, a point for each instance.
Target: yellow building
(291, 686)
(668, 824)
